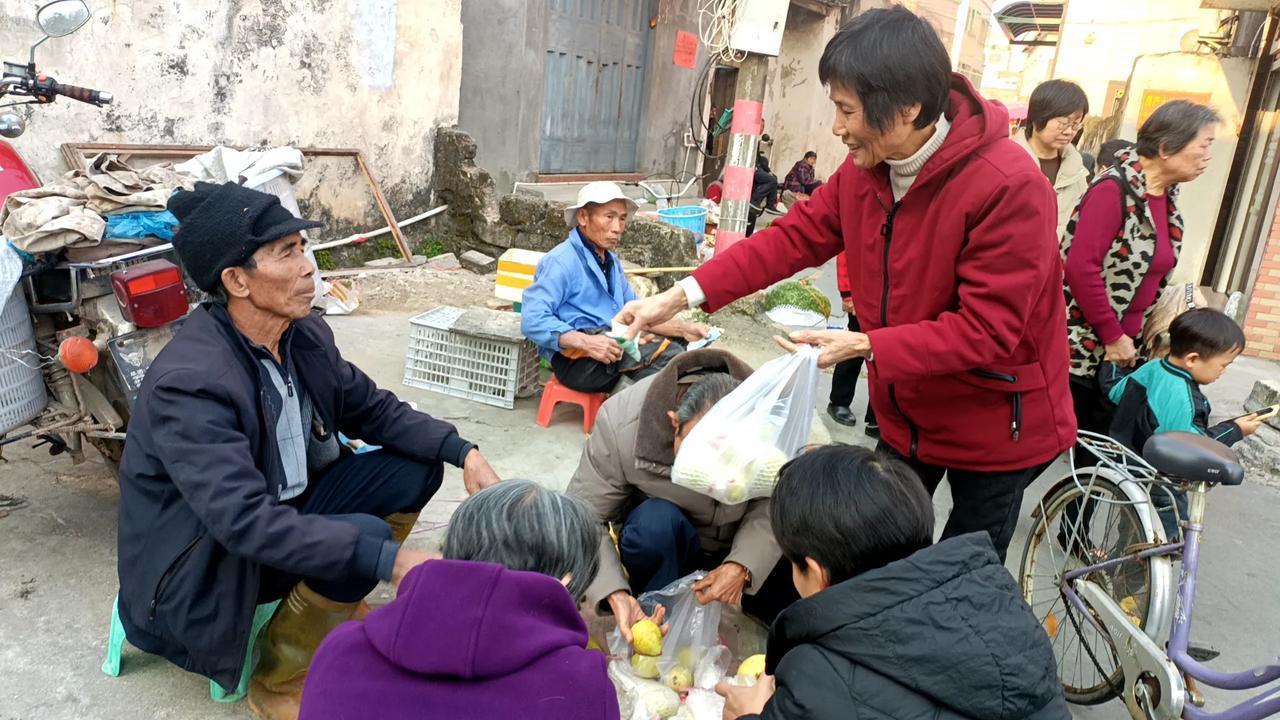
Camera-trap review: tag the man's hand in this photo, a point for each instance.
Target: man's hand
(627, 612)
(641, 315)
(1122, 352)
(739, 701)
(725, 584)
(476, 473)
(846, 304)
(1249, 424)
(600, 348)
(408, 559)
(835, 345)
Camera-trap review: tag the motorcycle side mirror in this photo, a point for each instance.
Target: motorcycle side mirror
(62, 17)
(11, 125)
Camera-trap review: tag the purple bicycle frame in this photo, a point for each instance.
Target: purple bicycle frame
(1259, 707)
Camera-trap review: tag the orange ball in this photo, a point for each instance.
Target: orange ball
(78, 354)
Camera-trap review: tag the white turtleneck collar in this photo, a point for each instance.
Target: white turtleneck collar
(903, 172)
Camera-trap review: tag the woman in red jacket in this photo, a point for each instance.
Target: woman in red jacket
(949, 230)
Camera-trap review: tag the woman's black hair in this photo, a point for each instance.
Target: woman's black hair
(810, 154)
(892, 59)
(850, 509)
(1054, 99)
(1173, 126)
(1109, 150)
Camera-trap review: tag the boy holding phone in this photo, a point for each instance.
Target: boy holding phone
(1164, 395)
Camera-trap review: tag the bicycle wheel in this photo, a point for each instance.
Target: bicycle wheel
(1073, 529)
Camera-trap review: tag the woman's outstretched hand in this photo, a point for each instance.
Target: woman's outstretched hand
(834, 345)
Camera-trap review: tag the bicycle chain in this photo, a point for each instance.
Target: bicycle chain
(1115, 688)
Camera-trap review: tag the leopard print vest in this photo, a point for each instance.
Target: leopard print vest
(1126, 263)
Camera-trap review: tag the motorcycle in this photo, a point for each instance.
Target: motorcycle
(94, 326)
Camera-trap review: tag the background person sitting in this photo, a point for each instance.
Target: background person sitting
(666, 531)
(577, 289)
(889, 624)
(801, 179)
(490, 632)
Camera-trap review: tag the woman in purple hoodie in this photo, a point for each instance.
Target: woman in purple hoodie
(491, 631)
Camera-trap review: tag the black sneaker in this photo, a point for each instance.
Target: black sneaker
(873, 429)
(842, 415)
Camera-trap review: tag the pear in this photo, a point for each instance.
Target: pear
(646, 638)
(752, 666)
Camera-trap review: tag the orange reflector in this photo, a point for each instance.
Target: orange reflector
(78, 354)
(1051, 625)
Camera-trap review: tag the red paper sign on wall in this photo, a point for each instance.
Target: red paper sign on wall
(686, 55)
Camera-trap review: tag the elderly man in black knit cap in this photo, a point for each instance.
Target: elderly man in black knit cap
(234, 490)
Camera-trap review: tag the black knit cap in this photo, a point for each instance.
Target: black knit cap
(222, 226)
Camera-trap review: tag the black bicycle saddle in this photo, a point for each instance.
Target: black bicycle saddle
(1197, 458)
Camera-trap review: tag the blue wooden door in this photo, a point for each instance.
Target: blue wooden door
(594, 84)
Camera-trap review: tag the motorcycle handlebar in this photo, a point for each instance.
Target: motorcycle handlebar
(84, 95)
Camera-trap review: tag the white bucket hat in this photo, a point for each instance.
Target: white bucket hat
(599, 192)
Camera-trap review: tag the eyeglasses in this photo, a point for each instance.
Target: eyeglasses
(1064, 123)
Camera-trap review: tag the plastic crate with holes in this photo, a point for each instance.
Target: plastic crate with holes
(475, 353)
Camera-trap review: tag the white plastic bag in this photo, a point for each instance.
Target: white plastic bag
(692, 642)
(692, 660)
(735, 451)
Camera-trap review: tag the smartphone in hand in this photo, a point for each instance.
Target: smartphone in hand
(1265, 413)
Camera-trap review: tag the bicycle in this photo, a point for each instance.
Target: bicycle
(1107, 579)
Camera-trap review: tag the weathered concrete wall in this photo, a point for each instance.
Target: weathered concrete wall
(376, 75)
(1101, 38)
(503, 60)
(478, 219)
(797, 112)
(667, 93)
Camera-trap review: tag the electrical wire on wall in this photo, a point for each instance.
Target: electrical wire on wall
(699, 129)
(715, 26)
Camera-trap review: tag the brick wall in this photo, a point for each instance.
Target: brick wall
(1262, 323)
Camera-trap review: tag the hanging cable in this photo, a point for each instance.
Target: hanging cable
(715, 27)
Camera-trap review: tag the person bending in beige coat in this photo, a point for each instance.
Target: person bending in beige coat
(665, 531)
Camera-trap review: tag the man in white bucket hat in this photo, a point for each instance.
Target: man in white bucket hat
(577, 289)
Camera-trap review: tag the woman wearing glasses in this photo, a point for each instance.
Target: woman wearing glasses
(1054, 117)
(1122, 244)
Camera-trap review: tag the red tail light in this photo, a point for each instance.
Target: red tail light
(151, 293)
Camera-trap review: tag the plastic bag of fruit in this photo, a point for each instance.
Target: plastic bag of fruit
(690, 654)
(735, 451)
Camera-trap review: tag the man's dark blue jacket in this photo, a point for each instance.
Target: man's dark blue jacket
(200, 478)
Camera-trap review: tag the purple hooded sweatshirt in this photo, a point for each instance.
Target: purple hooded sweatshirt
(463, 640)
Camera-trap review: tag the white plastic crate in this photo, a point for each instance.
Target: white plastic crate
(22, 395)
(474, 354)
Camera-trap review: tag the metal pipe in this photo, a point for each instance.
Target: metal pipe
(381, 201)
(382, 231)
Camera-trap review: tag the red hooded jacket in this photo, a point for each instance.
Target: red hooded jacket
(958, 285)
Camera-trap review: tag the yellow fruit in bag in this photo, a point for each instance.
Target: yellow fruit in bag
(646, 638)
(645, 666)
(678, 678)
(752, 666)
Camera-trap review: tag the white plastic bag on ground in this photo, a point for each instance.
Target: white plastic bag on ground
(735, 451)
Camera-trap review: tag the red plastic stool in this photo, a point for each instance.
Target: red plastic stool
(555, 393)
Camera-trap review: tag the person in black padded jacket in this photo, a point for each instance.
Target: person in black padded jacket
(889, 624)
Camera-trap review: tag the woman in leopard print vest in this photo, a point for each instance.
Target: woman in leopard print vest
(1122, 243)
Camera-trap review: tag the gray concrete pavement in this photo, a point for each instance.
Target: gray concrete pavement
(57, 556)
